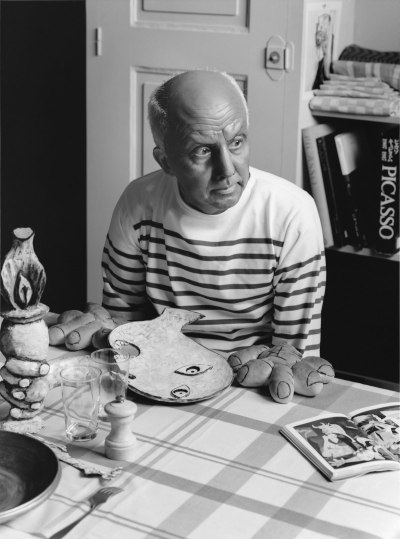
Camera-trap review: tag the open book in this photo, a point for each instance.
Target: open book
(368, 440)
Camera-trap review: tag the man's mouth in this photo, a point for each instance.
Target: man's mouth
(226, 190)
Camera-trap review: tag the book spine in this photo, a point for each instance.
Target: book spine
(317, 186)
(387, 237)
(339, 232)
(355, 228)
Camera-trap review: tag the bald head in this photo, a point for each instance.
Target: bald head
(204, 91)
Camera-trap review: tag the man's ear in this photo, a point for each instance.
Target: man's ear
(161, 158)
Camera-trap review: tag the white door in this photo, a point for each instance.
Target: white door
(134, 45)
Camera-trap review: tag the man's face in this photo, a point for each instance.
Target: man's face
(207, 147)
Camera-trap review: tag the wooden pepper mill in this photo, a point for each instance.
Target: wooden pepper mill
(120, 442)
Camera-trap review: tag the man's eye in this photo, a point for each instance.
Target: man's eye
(236, 144)
(201, 151)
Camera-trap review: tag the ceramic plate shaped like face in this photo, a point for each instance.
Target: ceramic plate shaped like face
(171, 367)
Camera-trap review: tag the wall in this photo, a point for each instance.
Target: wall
(43, 139)
(377, 24)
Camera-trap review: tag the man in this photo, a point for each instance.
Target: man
(208, 233)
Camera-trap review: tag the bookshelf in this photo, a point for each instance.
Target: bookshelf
(360, 318)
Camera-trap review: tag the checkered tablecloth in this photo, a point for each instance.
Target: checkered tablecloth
(219, 469)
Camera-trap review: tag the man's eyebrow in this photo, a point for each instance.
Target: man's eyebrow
(209, 144)
(241, 134)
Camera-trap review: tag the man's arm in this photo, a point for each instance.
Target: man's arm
(124, 277)
(300, 284)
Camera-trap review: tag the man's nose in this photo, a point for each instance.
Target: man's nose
(224, 167)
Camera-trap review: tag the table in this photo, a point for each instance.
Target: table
(218, 469)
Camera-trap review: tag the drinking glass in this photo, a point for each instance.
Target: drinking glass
(114, 366)
(80, 395)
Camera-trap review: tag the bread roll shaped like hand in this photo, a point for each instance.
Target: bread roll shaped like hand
(100, 313)
(81, 337)
(307, 381)
(241, 357)
(100, 338)
(286, 354)
(67, 316)
(322, 366)
(254, 373)
(58, 332)
(281, 383)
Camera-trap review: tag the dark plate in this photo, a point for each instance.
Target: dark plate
(29, 473)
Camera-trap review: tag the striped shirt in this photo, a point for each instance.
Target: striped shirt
(256, 272)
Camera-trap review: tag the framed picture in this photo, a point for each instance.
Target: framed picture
(321, 24)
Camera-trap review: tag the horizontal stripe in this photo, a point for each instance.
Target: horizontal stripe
(214, 258)
(209, 307)
(122, 309)
(232, 286)
(263, 271)
(310, 347)
(131, 269)
(298, 265)
(230, 321)
(298, 306)
(140, 282)
(292, 280)
(228, 338)
(297, 321)
(191, 293)
(123, 253)
(233, 271)
(309, 290)
(294, 336)
(118, 291)
(168, 232)
(207, 285)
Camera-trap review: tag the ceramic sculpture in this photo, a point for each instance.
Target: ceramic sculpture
(170, 367)
(24, 337)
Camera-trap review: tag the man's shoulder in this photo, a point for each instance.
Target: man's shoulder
(142, 195)
(146, 183)
(278, 187)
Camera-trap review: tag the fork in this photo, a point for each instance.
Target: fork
(97, 499)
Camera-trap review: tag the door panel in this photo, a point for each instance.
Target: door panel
(142, 44)
(191, 12)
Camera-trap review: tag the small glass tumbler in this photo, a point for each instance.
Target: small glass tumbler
(81, 396)
(114, 366)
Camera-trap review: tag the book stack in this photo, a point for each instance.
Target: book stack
(354, 179)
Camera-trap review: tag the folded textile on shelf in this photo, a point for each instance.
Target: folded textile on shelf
(365, 81)
(356, 105)
(351, 87)
(351, 94)
(389, 73)
(348, 92)
(362, 54)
